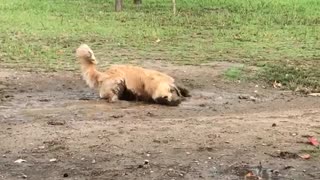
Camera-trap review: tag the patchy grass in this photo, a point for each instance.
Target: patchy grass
(305, 77)
(234, 73)
(270, 33)
(315, 153)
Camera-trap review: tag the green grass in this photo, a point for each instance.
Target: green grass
(315, 153)
(234, 73)
(270, 34)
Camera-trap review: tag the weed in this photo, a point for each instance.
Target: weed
(234, 73)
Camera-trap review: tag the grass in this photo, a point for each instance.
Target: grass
(315, 153)
(281, 37)
(234, 73)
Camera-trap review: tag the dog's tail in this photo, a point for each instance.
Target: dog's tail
(84, 52)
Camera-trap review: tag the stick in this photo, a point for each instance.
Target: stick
(174, 7)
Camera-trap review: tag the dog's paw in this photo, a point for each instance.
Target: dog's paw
(113, 99)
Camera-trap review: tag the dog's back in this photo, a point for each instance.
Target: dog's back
(150, 84)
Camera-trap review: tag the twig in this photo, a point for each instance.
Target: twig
(174, 7)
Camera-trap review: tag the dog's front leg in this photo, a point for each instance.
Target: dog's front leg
(112, 89)
(109, 96)
(113, 98)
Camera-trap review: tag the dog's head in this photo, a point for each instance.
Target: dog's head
(167, 94)
(85, 54)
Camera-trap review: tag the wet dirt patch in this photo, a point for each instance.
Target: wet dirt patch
(56, 116)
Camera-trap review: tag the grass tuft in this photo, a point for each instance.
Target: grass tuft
(234, 73)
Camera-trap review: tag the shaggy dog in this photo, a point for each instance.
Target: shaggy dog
(126, 82)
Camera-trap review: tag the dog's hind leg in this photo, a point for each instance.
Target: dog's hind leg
(111, 89)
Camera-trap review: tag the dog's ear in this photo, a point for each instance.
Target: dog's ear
(85, 52)
(174, 88)
(92, 57)
(184, 91)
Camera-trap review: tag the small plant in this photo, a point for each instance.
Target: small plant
(234, 73)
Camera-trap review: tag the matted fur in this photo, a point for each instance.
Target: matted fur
(129, 82)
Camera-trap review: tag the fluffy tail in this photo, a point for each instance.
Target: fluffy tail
(85, 53)
(88, 65)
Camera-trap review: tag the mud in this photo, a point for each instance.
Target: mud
(224, 131)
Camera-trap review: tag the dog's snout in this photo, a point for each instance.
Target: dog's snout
(165, 101)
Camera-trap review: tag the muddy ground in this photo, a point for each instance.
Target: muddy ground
(63, 130)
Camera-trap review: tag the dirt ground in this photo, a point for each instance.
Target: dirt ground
(63, 130)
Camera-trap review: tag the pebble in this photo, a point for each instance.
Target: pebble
(24, 176)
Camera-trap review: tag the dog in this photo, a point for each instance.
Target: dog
(127, 82)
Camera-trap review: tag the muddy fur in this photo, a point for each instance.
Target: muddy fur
(127, 82)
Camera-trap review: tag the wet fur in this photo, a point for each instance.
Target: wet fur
(126, 82)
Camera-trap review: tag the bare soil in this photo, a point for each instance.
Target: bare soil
(63, 130)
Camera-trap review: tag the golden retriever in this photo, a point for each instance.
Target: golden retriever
(127, 82)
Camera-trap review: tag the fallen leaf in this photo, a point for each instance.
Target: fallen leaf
(288, 167)
(53, 160)
(305, 156)
(276, 84)
(314, 94)
(293, 134)
(20, 161)
(313, 141)
(24, 176)
(249, 174)
(252, 176)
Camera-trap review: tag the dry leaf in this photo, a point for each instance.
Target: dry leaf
(314, 94)
(20, 161)
(305, 156)
(313, 141)
(53, 160)
(249, 174)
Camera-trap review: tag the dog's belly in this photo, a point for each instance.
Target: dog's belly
(129, 95)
